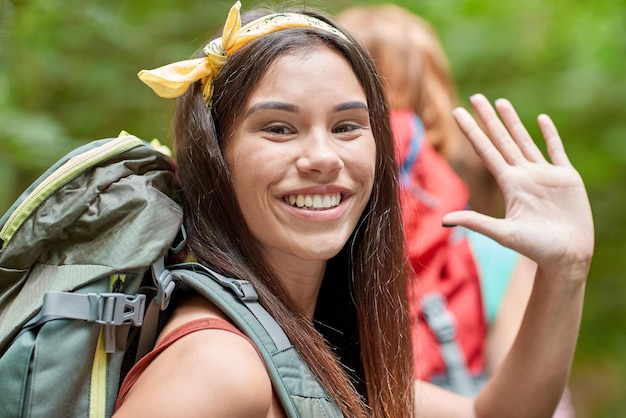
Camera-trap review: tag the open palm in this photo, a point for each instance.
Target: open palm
(548, 216)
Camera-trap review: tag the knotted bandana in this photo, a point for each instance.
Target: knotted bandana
(174, 79)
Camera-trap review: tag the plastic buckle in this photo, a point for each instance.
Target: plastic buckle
(438, 317)
(117, 308)
(163, 282)
(165, 287)
(242, 288)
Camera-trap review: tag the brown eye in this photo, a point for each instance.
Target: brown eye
(345, 128)
(278, 130)
(348, 130)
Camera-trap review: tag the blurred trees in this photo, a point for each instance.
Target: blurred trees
(68, 75)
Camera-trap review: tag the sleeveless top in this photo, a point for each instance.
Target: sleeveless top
(176, 334)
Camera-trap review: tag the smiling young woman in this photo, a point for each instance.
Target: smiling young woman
(287, 165)
(275, 129)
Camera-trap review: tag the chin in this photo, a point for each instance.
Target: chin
(318, 253)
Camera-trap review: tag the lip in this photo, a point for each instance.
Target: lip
(317, 215)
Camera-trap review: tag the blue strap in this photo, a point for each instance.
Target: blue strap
(415, 145)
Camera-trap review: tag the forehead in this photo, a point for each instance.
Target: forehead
(317, 71)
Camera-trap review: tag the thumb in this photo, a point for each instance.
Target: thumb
(478, 222)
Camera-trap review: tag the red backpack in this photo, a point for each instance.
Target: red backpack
(445, 295)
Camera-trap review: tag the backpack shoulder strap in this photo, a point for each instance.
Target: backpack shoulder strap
(300, 393)
(441, 322)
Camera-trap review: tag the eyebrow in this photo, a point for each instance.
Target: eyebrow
(350, 106)
(271, 105)
(293, 108)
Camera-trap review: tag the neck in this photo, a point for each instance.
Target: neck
(303, 280)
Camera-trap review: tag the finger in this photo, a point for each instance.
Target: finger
(483, 224)
(497, 131)
(482, 145)
(517, 129)
(554, 144)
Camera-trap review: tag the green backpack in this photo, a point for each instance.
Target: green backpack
(83, 279)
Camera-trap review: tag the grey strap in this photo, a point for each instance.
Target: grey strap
(441, 322)
(109, 309)
(148, 331)
(164, 286)
(244, 290)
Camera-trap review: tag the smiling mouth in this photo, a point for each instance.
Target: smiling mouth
(313, 201)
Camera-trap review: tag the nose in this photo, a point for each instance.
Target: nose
(319, 155)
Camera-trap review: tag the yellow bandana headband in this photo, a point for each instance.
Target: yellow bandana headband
(174, 79)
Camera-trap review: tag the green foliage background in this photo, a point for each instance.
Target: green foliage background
(68, 75)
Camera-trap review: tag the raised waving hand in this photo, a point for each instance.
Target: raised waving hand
(548, 219)
(548, 216)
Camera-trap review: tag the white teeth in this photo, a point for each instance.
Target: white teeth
(315, 201)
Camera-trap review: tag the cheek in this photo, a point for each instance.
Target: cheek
(246, 176)
(238, 164)
(253, 171)
(246, 186)
(241, 158)
(366, 162)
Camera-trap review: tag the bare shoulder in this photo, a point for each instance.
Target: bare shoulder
(206, 373)
(192, 307)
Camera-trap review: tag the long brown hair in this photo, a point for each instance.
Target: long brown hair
(372, 261)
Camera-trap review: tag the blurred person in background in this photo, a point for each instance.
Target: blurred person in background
(470, 292)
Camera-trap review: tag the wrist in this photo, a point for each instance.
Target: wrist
(563, 276)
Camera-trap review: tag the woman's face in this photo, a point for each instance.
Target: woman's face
(302, 156)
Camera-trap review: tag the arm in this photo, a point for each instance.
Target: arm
(548, 219)
(207, 373)
(503, 330)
